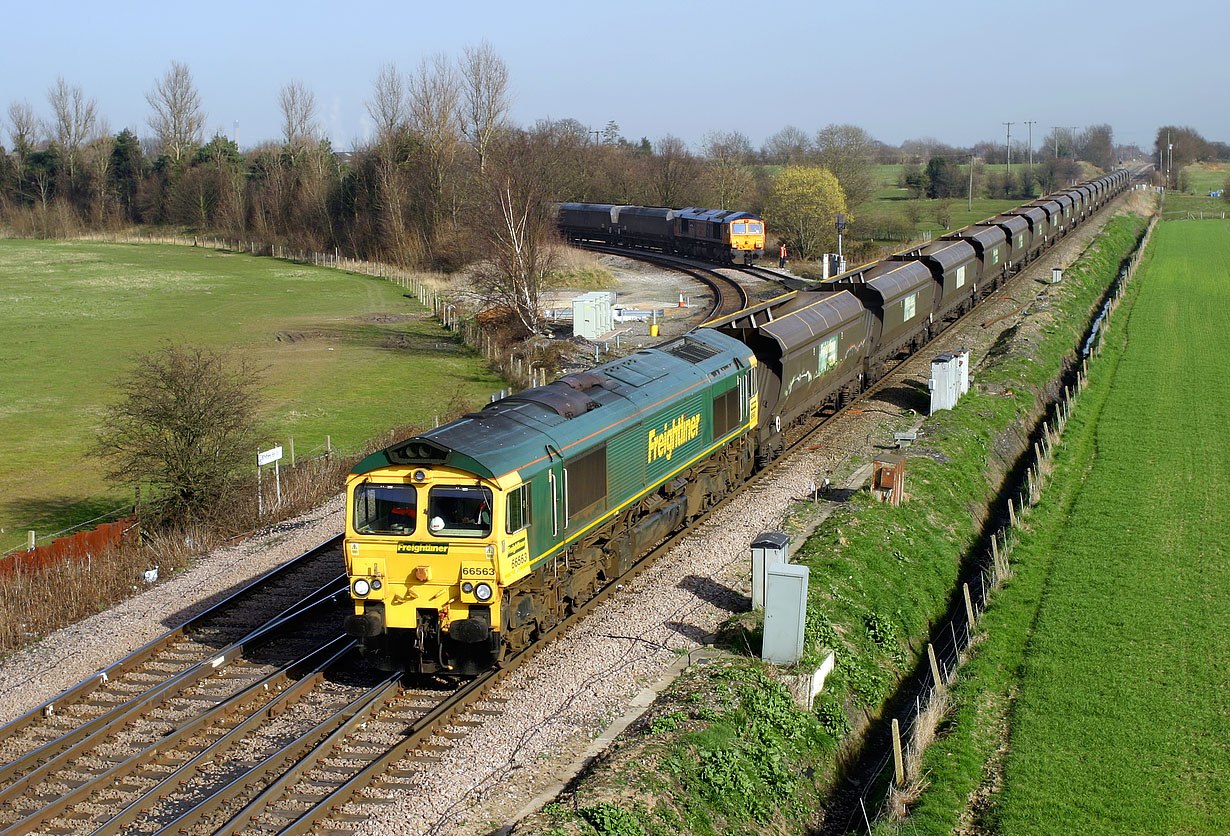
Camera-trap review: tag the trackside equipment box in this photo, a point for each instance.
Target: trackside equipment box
(769, 549)
(593, 314)
(949, 379)
(785, 613)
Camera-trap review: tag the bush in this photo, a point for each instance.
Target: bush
(185, 427)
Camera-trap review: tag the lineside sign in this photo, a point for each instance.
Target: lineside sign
(264, 457)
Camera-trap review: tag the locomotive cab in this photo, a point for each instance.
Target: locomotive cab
(422, 558)
(746, 239)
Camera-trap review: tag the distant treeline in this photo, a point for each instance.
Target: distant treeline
(444, 161)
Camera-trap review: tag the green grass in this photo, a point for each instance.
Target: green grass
(1178, 205)
(960, 211)
(1124, 716)
(1112, 628)
(1206, 177)
(346, 355)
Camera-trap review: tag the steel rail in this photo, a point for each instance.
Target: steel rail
(346, 650)
(308, 665)
(147, 651)
(729, 296)
(38, 764)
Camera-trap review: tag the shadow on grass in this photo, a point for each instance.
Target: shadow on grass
(52, 514)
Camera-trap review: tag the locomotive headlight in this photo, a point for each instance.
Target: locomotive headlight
(361, 587)
(467, 587)
(483, 592)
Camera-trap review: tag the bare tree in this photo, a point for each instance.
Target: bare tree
(846, 150)
(435, 93)
(387, 106)
(177, 119)
(97, 156)
(789, 146)
(73, 119)
(725, 167)
(514, 228)
(484, 87)
(671, 170)
(23, 128)
(299, 129)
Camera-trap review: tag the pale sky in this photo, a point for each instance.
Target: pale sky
(955, 71)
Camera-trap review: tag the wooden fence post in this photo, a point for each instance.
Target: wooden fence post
(935, 667)
(898, 765)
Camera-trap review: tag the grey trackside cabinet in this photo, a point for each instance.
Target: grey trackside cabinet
(593, 314)
(949, 379)
(785, 613)
(768, 549)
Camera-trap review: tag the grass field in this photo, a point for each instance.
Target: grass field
(1207, 177)
(1105, 656)
(1180, 205)
(346, 355)
(1124, 714)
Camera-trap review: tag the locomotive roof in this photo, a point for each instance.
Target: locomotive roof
(693, 213)
(561, 417)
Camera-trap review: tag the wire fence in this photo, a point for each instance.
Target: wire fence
(900, 763)
(323, 452)
(1187, 215)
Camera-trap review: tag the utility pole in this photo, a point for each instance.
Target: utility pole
(1055, 135)
(970, 203)
(1169, 158)
(1031, 146)
(1008, 145)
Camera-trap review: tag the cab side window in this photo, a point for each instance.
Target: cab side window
(517, 515)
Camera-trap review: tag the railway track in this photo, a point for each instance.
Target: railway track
(729, 296)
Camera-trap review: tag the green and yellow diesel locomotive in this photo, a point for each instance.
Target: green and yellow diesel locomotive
(465, 543)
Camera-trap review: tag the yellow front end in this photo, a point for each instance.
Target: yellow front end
(747, 239)
(423, 554)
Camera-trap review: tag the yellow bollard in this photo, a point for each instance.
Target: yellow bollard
(653, 330)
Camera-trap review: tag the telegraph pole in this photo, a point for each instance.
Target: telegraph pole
(1055, 134)
(1008, 145)
(970, 204)
(1031, 146)
(1169, 157)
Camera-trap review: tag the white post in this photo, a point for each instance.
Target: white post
(277, 476)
